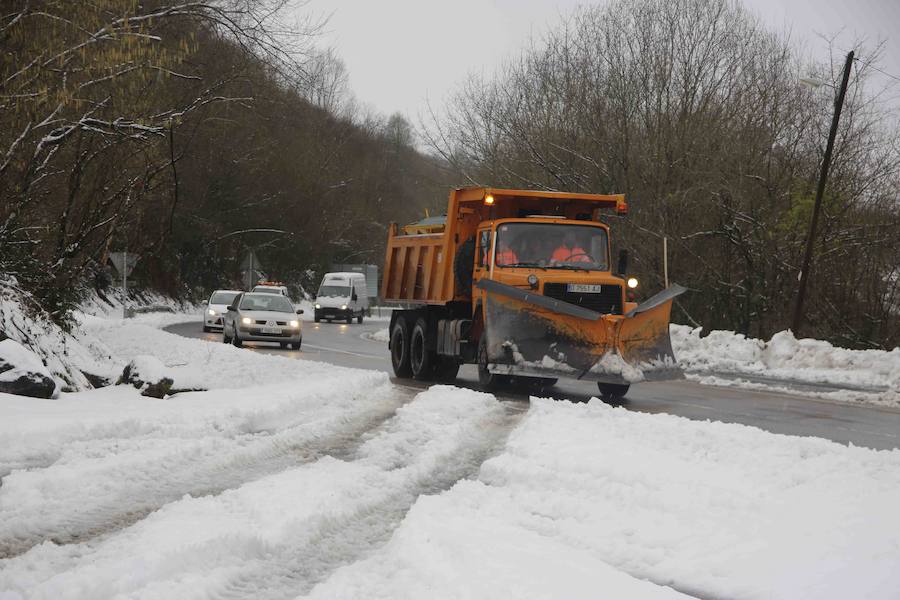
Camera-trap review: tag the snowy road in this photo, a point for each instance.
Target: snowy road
(873, 427)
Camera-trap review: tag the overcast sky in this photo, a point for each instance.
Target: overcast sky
(401, 54)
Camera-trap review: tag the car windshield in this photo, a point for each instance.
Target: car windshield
(552, 246)
(266, 302)
(225, 298)
(341, 291)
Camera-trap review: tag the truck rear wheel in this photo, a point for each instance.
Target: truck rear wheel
(400, 347)
(421, 359)
(611, 392)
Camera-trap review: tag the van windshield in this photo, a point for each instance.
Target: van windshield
(552, 246)
(342, 291)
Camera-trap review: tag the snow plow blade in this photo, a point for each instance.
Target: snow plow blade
(531, 334)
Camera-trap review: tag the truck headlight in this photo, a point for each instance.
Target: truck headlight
(211, 312)
(318, 306)
(295, 323)
(632, 282)
(343, 307)
(246, 320)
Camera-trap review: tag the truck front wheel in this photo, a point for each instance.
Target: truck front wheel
(612, 392)
(421, 359)
(488, 380)
(400, 347)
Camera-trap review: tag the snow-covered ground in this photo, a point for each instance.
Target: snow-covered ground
(291, 478)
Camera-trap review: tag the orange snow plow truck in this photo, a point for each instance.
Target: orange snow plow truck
(520, 283)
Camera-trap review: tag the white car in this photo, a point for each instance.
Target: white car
(214, 308)
(254, 317)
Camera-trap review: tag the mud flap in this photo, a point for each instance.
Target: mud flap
(530, 334)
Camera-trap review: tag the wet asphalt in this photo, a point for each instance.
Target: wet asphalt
(861, 425)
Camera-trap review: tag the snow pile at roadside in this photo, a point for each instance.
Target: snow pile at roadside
(277, 535)
(711, 509)
(192, 363)
(785, 357)
(22, 372)
(68, 356)
(382, 335)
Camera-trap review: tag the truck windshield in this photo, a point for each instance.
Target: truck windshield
(341, 291)
(552, 246)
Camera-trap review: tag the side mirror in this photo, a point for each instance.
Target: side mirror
(623, 262)
(204, 303)
(299, 311)
(231, 308)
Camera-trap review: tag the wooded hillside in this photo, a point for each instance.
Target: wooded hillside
(693, 109)
(188, 133)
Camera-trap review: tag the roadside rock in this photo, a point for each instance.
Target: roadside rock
(22, 372)
(152, 377)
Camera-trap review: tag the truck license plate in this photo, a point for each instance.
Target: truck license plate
(271, 330)
(583, 288)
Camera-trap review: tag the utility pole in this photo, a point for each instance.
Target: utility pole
(820, 190)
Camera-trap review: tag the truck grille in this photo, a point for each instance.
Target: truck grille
(607, 302)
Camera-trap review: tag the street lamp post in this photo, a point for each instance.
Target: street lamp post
(820, 190)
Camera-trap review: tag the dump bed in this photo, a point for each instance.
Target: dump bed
(418, 265)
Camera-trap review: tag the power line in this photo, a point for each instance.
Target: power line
(870, 65)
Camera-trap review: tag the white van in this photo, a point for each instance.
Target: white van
(342, 296)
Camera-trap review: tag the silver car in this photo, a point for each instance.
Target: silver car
(257, 317)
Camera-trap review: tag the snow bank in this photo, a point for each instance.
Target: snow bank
(382, 335)
(711, 509)
(22, 372)
(874, 373)
(66, 356)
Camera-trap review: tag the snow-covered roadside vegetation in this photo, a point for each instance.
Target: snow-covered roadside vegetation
(76, 358)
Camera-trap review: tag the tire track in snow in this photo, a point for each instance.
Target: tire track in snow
(279, 536)
(135, 489)
(333, 543)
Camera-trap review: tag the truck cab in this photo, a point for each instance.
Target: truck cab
(555, 257)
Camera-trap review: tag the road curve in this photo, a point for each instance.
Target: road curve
(861, 425)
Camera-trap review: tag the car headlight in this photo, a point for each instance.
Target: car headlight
(295, 323)
(632, 282)
(246, 320)
(343, 307)
(211, 312)
(318, 306)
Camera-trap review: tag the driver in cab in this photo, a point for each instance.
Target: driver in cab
(569, 251)
(505, 254)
